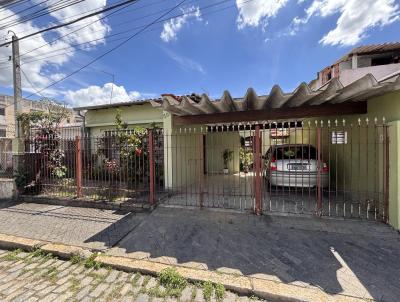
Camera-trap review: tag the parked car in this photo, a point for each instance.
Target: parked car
(295, 165)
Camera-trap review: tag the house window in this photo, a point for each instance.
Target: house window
(339, 137)
(2, 111)
(3, 133)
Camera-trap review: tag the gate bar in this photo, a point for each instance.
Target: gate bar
(78, 161)
(257, 170)
(151, 167)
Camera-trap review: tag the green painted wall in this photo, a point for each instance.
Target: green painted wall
(132, 114)
(394, 179)
(216, 143)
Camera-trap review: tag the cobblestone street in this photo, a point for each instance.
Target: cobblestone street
(40, 277)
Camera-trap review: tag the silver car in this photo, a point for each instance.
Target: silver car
(295, 165)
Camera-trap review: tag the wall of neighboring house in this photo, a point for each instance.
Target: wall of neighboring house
(7, 121)
(101, 120)
(348, 76)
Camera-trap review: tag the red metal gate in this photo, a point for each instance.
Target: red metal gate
(330, 167)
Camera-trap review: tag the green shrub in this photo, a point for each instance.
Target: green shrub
(219, 291)
(172, 281)
(92, 263)
(208, 289)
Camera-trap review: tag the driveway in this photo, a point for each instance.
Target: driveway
(357, 258)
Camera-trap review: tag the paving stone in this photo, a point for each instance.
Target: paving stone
(46, 291)
(99, 290)
(243, 299)
(13, 288)
(199, 296)
(83, 292)
(186, 294)
(126, 288)
(17, 267)
(49, 298)
(152, 283)
(142, 298)
(64, 297)
(15, 294)
(86, 281)
(62, 288)
(229, 297)
(112, 276)
(24, 297)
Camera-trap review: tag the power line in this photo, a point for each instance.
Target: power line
(97, 8)
(41, 12)
(72, 32)
(71, 22)
(23, 10)
(130, 29)
(30, 83)
(109, 51)
(70, 47)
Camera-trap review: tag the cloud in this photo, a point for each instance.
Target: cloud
(256, 12)
(92, 28)
(356, 17)
(173, 26)
(185, 63)
(46, 67)
(97, 95)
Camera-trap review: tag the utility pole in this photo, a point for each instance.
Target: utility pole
(16, 82)
(17, 145)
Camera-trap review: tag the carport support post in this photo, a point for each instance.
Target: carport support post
(151, 167)
(257, 170)
(78, 162)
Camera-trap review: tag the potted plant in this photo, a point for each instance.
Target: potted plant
(227, 156)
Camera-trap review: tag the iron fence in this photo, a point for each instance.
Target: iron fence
(326, 167)
(108, 168)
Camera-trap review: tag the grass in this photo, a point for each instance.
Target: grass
(92, 263)
(76, 259)
(219, 291)
(173, 282)
(13, 255)
(75, 285)
(51, 274)
(136, 279)
(209, 288)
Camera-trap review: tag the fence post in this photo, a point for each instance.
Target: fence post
(257, 170)
(78, 168)
(386, 154)
(151, 167)
(200, 170)
(319, 166)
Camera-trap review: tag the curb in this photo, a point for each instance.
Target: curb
(83, 203)
(244, 285)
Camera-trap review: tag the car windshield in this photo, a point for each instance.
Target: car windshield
(295, 152)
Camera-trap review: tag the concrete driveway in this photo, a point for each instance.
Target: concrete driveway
(356, 258)
(341, 256)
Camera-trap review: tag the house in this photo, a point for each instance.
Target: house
(7, 114)
(380, 60)
(70, 127)
(350, 117)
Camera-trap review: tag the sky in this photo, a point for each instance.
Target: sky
(201, 46)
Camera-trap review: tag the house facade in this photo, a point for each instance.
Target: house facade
(354, 128)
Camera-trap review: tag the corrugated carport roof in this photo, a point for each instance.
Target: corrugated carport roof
(330, 99)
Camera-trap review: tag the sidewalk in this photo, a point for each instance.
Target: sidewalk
(342, 257)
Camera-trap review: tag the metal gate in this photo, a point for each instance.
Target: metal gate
(324, 167)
